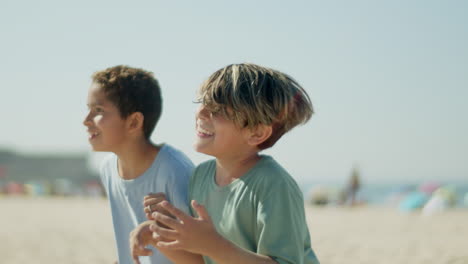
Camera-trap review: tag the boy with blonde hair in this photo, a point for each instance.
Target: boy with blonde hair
(246, 208)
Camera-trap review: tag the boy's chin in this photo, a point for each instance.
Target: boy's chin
(100, 149)
(201, 150)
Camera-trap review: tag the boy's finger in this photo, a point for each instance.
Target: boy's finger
(152, 201)
(154, 195)
(135, 257)
(148, 216)
(156, 237)
(174, 211)
(144, 251)
(165, 220)
(201, 210)
(149, 210)
(140, 251)
(164, 233)
(169, 245)
(160, 209)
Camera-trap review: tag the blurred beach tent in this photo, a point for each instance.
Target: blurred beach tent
(413, 201)
(441, 199)
(429, 187)
(398, 193)
(434, 205)
(448, 193)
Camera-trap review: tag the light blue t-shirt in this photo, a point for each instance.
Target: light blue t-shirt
(169, 173)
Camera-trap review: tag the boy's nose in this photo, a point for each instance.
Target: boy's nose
(87, 120)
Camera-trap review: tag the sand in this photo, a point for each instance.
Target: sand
(78, 230)
(372, 235)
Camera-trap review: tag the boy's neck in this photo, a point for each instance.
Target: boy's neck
(135, 160)
(228, 170)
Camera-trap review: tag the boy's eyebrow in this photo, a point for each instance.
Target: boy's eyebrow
(94, 105)
(97, 103)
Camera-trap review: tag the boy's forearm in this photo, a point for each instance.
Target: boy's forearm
(226, 252)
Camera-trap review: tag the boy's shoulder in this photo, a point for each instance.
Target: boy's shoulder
(271, 177)
(207, 163)
(205, 166)
(108, 166)
(203, 172)
(269, 166)
(172, 156)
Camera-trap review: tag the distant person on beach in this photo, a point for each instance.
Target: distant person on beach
(352, 188)
(246, 208)
(124, 107)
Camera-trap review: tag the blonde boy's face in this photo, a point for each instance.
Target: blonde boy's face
(106, 129)
(217, 136)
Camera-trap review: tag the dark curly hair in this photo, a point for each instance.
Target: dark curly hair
(132, 90)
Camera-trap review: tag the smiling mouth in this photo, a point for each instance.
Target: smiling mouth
(204, 133)
(93, 135)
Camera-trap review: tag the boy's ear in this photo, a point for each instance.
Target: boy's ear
(259, 134)
(135, 121)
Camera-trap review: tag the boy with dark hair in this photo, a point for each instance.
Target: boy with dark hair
(124, 107)
(246, 207)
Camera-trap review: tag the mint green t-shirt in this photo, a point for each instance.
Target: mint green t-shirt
(263, 211)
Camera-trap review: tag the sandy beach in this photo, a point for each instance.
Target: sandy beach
(78, 230)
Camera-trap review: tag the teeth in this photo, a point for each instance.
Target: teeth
(201, 130)
(93, 134)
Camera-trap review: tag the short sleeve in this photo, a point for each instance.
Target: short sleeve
(283, 234)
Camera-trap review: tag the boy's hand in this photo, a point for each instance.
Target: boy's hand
(150, 203)
(197, 235)
(140, 237)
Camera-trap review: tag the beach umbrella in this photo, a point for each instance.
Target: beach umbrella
(413, 201)
(447, 193)
(434, 205)
(429, 187)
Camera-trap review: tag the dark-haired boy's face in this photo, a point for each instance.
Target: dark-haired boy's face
(106, 129)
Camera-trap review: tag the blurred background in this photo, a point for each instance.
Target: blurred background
(388, 80)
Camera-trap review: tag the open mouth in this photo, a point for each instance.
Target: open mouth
(93, 135)
(204, 133)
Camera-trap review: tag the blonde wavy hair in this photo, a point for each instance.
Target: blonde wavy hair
(252, 95)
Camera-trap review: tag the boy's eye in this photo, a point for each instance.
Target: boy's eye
(98, 110)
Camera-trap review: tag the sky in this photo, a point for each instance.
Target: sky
(388, 79)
